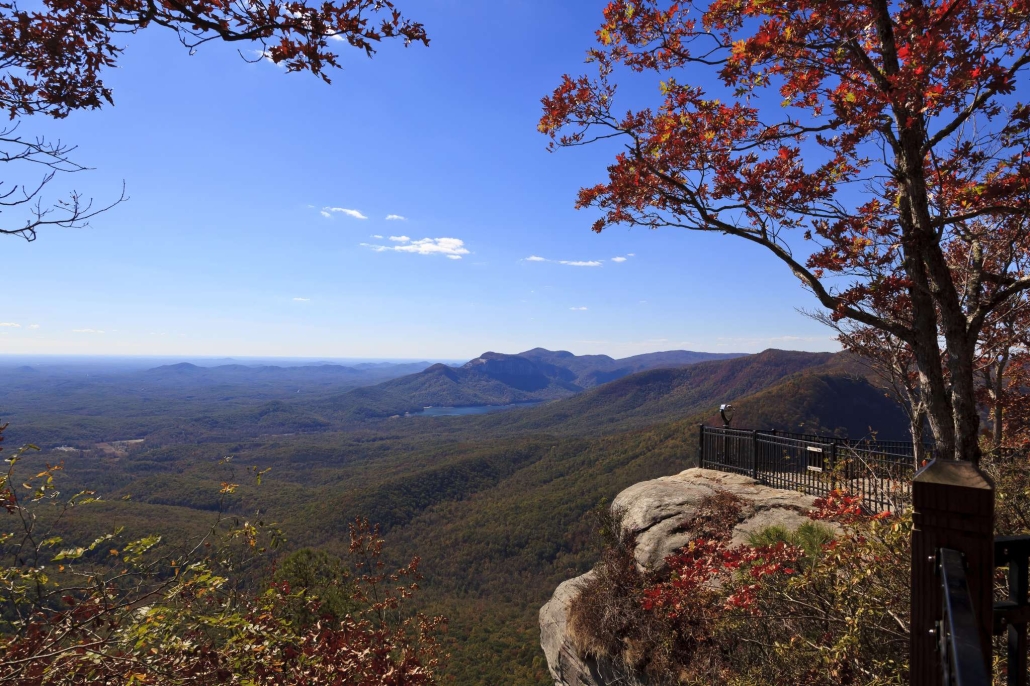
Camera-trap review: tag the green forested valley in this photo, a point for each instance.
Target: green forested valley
(498, 506)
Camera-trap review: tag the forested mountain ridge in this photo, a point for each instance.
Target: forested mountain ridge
(500, 379)
(593, 370)
(659, 395)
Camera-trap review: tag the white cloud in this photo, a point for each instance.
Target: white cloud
(395, 217)
(343, 210)
(11, 324)
(430, 246)
(301, 300)
(631, 254)
(376, 236)
(326, 214)
(33, 326)
(570, 263)
(86, 331)
(618, 259)
(452, 248)
(578, 309)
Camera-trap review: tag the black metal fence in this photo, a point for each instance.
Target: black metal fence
(1012, 614)
(880, 472)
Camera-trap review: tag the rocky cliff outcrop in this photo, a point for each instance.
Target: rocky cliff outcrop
(656, 512)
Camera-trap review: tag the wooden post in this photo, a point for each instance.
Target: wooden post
(953, 507)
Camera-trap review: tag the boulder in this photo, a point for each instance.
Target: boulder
(656, 512)
(566, 666)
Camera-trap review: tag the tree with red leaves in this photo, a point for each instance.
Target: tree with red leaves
(869, 146)
(52, 60)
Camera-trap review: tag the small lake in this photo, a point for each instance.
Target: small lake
(470, 409)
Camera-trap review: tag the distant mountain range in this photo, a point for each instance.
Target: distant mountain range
(501, 379)
(789, 390)
(575, 395)
(188, 373)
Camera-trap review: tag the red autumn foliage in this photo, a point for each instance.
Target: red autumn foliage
(52, 57)
(878, 150)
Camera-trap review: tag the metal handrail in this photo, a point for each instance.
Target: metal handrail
(958, 637)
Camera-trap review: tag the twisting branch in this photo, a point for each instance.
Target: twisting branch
(53, 158)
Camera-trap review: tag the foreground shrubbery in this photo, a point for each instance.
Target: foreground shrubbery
(141, 612)
(805, 607)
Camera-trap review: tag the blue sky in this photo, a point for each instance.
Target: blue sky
(224, 247)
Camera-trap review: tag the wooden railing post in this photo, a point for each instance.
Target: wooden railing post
(953, 507)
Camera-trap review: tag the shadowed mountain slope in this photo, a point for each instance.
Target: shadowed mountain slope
(827, 404)
(663, 394)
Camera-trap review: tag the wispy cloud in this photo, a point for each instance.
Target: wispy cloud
(326, 212)
(570, 263)
(86, 331)
(578, 309)
(376, 236)
(619, 259)
(302, 300)
(33, 326)
(396, 217)
(11, 325)
(452, 248)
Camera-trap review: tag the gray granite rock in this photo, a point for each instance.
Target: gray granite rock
(656, 512)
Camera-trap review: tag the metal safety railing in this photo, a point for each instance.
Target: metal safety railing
(958, 632)
(879, 472)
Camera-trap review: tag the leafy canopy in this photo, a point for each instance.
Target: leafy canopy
(889, 135)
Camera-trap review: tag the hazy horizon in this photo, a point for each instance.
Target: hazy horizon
(7, 359)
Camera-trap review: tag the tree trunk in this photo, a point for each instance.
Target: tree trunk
(917, 420)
